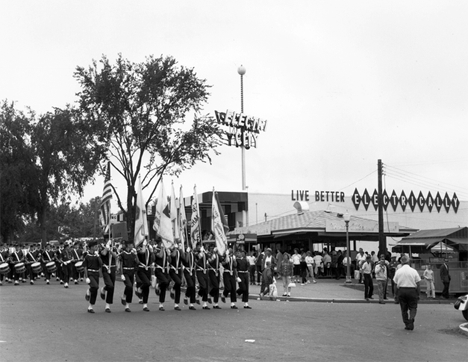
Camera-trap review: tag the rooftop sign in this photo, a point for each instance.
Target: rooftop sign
(411, 201)
(242, 130)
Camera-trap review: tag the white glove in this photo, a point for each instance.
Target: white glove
(188, 249)
(202, 249)
(238, 279)
(134, 251)
(122, 277)
(88, 281)
(109, 244)
(145, 242)
(215, 249)
(227, 252)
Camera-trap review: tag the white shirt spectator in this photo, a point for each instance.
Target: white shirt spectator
(296, 259)
(406, 277)
(309, 260)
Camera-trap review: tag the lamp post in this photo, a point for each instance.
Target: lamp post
(347, 217)
(241, 71)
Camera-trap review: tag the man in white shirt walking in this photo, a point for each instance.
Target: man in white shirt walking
(407, 281)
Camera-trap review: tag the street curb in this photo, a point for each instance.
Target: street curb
(334, 300)
(464, 328)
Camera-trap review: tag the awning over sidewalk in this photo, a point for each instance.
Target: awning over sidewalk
(429, 238)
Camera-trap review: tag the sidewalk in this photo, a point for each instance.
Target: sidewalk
(336, 291)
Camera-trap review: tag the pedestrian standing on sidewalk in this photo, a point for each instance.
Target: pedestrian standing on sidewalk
(366, 271)
(296, 259)
(360, 259)
(310, 266)
(252, 261)
(407, 282)
(428, 275)
(445, 277)
(381, 276)
(286, 274)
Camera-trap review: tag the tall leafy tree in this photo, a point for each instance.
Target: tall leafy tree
(18, 174)
(66, 157)
(141, 113)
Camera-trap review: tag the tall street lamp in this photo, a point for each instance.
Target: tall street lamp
(347, 217)
(241, 70)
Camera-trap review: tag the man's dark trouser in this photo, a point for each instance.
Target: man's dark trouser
(445, 292)
(408, 302)
(368, 286)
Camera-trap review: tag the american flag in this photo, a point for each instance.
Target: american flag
(106, 202)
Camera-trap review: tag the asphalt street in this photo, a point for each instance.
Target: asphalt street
(50, 323)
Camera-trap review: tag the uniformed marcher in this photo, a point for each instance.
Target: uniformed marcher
(202, 275)
(190, 277)
(17, 260)
(129, 264)
(109, 257)
(66, 263)
(144, 271)
(176, 274)
(243, 275)
(161, 271)
(77, 257)
(92, 265)
(214, 264)
(30, 259)
(229, 277)
(48, 256)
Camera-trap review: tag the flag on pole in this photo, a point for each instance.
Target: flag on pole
(219, 225)
(105, 207)
(182, 219)
(195, 220)
(163, 224)
(141, 222)
(174, 215)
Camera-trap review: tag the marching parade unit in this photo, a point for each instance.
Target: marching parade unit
(174, 262)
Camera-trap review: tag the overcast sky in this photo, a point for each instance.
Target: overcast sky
(341, 83)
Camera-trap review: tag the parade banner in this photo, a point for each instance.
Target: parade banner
(195, 231)
(174, 214)
(105, 207)
(141, 222)
(182, 219)
(219, 226)
(162, 218)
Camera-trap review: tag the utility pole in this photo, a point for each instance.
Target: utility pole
(382, 239)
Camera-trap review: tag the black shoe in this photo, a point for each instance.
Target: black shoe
(206, 307)
(138, 294)
(103, 294)
(185, 301)
(87, 297)
(210, 301)
(90, 310)
(161, 309)
(192, 308)
(127, 310)
(247, 307)
(177, 308)
(140, 302)
(157, 291)
(216, 307)
(145, 309)
(234, 307)
(108, 310)
(172, 295)
(122, 300)
(223, 299)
